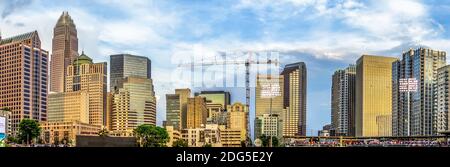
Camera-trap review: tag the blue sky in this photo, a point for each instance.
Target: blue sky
(326, 34)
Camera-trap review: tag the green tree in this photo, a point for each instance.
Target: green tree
(151, 136)
(28, 130)
(103, 133)
(180, 143)
(266, 140)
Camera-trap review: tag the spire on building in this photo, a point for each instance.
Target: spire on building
(65, 19)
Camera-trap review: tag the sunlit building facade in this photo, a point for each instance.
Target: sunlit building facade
(196, 112)
(343, 101)
(373, 116)
(23, 78)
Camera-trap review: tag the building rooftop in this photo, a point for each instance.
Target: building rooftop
(18, 38)
(82, 59)
(65, 19)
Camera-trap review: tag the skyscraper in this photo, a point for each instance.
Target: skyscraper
(443, 105)
(216, 97)
(414, 111)
(126, 65)
(173, 111)
(64, 51)
(294, 100)
(84, 75)
(343, 101)
(373, 116)
(184, 95)
(265, 101)
(196, 112)
(238, 119)
(133, 105)
(23, 78)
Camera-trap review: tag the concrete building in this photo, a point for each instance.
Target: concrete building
(270, 125)
(343, 101)
(174, 135)
(134, 104)
(64, 51)
(173, 111)
(199, 137)
(294, 100)
(414, 103)
(23, 78)
(443, 105)
(84, 75)
(66, 132)
(126, 65)
(238, 119)
(196, 112)
(373, 114)
(184, 95)
(269, 104)
(230, 137)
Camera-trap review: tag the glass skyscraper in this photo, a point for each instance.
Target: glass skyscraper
(126, 65)
(414, 112)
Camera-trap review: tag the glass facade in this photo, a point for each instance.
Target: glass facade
(125, 65)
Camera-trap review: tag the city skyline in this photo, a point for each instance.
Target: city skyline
(323, 56)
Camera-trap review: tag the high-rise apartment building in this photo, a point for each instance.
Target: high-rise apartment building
(64, 51)
(343, 101)
(238, 119)
(414, 92)
(23, 78)
(133, 105)
(373, 116)
(294, 100)
(196, 112)
(443, 105)
(84, 75)
(126, 65)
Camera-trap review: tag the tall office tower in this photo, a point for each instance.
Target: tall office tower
(23, 78)
(126, 65)
(294, 100)
(268, 99)
(134, 104)
(443, 105)
(238, 119)
(109, 107)
(343, 101)
(184, 95)
(173, 111)
(414, 110)
(216, 97)
(84, 75)
(196, 112)
(64, 51)
(373, 116)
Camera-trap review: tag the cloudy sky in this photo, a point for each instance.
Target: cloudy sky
(325, 34)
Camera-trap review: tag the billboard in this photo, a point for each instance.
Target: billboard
(2, 125)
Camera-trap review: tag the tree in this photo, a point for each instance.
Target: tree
(151, 136)
(103, 133)
(28, 130)
(180, 143)
(266, 140)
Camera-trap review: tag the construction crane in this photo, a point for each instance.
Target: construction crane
(247, 62)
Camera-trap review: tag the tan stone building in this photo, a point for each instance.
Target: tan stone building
(238, 119)
(199, 137)
(84, 75)
(196, 112)
(64, 51)
(184, 94)
(174, 135)
(230, 137)
(66, 132)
